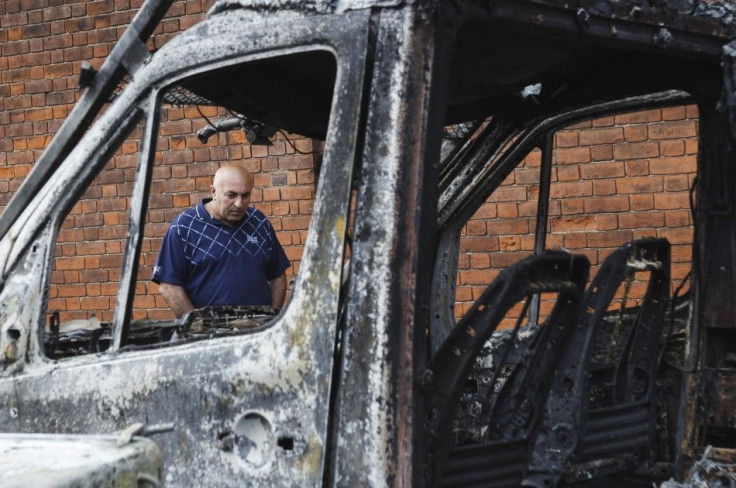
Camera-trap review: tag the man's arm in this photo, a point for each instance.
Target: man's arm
(278, 291)
(177, 298)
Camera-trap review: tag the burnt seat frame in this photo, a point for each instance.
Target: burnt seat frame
(577, 440)
(502, 458)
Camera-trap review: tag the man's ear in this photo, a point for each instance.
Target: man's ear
(212, 191)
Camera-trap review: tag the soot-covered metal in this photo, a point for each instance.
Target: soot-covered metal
(364, 378)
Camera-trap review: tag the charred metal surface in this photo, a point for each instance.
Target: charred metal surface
(376, 397)
(500, 457)
(264, 394)
(719, 392)
(714, 469)
(728, 102)
(315, 6)
(79, 461)
(80, 337)
(703, 420)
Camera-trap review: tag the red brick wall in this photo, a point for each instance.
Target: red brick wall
(601, 168)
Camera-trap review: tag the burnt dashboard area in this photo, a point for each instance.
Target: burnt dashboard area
(89, 336)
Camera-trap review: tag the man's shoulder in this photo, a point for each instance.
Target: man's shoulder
(188, 216)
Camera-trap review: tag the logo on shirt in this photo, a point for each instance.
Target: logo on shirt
(253, 240)
(156, 270)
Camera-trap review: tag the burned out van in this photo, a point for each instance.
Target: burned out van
(601, 350)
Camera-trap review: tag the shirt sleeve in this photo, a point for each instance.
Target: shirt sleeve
(278, 262)
(171, 264)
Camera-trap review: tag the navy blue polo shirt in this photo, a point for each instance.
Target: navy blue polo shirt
(221, 265)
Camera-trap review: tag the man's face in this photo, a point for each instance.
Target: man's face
(231, 196)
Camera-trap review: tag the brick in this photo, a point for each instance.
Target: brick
(39, 114)
(601, 153)
(567, 173)
(606, 204)
(571, 206)
(526, 175)
(575, 240)
(480, 261)
(16, 48)
(673, 113)
(661, 166)
(79, 24)
(571, 189)
(681, 253)
(637, 167)
(653, 115)
(571, 155)
(641, 220)
(508, 194)
(673, 130)
(510, 243)
(672, 148)
(676, 183)
(642, 202)
(606, 222)
(571, 224)
(64, 264)
(527, 243)
(38, 30)
(479, 244)
(508, 210)
(636, 150)
(608, 239)
(14, 33)
(641, 184)
(680, 235)
(603, 122)
(604, 187)
(100, 7)
(293, 223)
(476, 228)
(95, 303)
(668, 201)
(566, 139)
(508, 227)
(640, 233)
(635, 133)
(59, 12)
(677, 219)
(691, 146)
(526, 209)
(602, 170)
(601, 136)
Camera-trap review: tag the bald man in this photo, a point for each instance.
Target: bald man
(222, 252)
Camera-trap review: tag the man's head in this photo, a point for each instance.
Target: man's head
(231, 189)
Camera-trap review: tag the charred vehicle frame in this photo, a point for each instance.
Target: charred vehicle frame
(363, 378)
